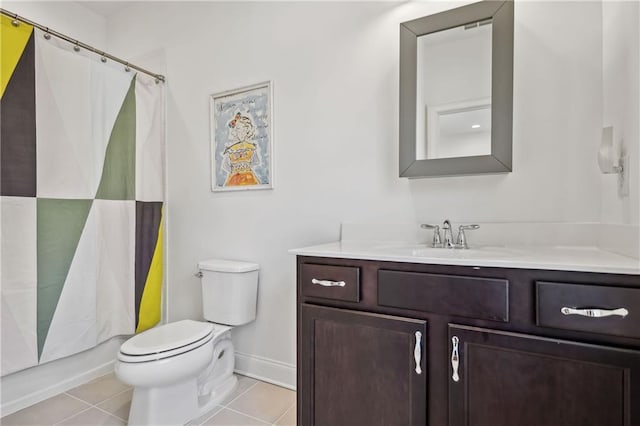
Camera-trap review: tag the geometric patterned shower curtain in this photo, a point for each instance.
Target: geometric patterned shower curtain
(82, 186)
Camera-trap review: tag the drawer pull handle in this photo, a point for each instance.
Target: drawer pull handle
(327, 283)
(595, 313)
(455, 359)
(417, 352)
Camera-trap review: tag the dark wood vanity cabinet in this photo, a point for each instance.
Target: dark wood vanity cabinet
(518, 379)
(361, 369)
(495, 347)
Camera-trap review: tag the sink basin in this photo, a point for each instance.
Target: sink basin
(426, 251)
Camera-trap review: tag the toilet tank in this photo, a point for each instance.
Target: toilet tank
(229, 291)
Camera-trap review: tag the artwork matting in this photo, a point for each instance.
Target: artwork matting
(242, 138)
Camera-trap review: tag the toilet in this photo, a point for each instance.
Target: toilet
(181, 370)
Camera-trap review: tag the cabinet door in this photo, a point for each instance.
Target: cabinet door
(359, 368)
(507, 379)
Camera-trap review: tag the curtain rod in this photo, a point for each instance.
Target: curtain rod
(48, 32)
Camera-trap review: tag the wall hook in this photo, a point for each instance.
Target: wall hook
(613, 159)
(607, 160)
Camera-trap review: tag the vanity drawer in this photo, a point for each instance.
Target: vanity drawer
(470, 297)
(330, 282)
(577, 307)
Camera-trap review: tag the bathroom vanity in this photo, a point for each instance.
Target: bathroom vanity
(389, 339)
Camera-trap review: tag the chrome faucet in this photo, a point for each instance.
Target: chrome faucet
(461, 241)
(462, 238)
(448, 235)
(437, 241)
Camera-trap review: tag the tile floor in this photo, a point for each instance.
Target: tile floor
(105, 401)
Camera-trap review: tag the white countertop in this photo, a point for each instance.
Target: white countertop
(562, 258)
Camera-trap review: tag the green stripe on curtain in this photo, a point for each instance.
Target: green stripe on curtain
(60, 224)
(118, 174)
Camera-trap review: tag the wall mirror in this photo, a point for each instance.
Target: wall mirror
(456, 91)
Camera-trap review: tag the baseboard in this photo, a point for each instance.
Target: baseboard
(267, 370)
(27, 387)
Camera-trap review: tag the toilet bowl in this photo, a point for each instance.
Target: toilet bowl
(181, 370)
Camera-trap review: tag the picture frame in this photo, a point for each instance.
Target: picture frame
(241, 126)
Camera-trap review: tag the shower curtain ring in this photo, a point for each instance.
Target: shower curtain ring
(47, 36)
(15, 21)
(127, 68)
(76, 48)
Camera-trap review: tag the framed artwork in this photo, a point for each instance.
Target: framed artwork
(241, 138)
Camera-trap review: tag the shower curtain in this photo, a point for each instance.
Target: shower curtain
(81, 208)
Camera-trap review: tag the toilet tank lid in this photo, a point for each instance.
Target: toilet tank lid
(221, 265)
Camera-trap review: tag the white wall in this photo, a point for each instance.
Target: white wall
(557, 115)
(28, 386)
(335, 73)
(621, 88)
(66, 17)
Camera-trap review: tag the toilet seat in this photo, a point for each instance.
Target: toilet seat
(169, 340)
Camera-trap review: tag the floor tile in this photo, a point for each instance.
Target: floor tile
(244, 383)
(99, 389)
(289, 418)
(206, 416)
(228, 417)
(118, 405)
(264, 401)
(93, 417)
(252, 403)
(47, 412)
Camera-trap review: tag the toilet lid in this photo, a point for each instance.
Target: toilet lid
(167, 337)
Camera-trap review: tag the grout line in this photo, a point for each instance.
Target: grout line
(221, 406)
(110, 414)
(247, 415)
(285, 412)
(73, 415)
(82, 400)
(77, 398)
(109, 399)
(246, 390)
(203, 421)
(114, 395)
(96, 405)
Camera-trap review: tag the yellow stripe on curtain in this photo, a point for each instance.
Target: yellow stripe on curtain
(12, 43)
(150, 305)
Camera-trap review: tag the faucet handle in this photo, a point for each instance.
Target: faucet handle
(462, 238)
(437, 241)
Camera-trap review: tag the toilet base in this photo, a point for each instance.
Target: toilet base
(167, 405)
(208, 402)
(176, 404)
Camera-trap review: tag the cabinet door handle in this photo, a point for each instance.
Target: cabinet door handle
(327, 283)
(595, 313)
(455, 359)
(417, 352)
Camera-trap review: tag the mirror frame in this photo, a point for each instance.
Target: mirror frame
(500, 159)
